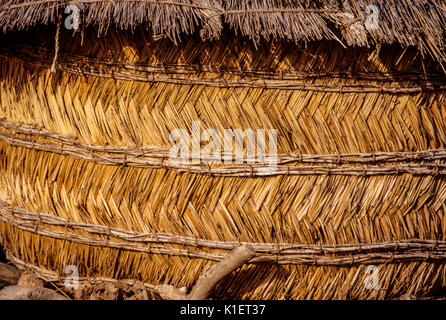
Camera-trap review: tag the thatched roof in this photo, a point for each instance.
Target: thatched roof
(420, 23)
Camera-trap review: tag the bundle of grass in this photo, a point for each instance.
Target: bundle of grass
(355, 207)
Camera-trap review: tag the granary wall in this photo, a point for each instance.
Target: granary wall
(364, 128)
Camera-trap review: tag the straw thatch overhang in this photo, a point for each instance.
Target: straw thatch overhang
(419, 23)
(85, 177)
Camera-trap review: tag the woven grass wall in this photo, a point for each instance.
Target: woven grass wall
(361, 142)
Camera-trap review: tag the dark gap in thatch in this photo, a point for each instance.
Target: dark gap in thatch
(2, 255)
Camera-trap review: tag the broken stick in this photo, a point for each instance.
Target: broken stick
(211, 277)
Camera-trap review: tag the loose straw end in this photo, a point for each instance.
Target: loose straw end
(56, 45)
(53, 68)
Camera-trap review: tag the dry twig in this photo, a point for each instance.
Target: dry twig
(211, 277)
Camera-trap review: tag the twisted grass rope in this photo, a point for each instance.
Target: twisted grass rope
(127, 71)
(52, 276)
(158, 158)
(56, 44)
(41, 54)
(281, 253)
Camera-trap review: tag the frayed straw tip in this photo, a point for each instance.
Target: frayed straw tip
(53, 68)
